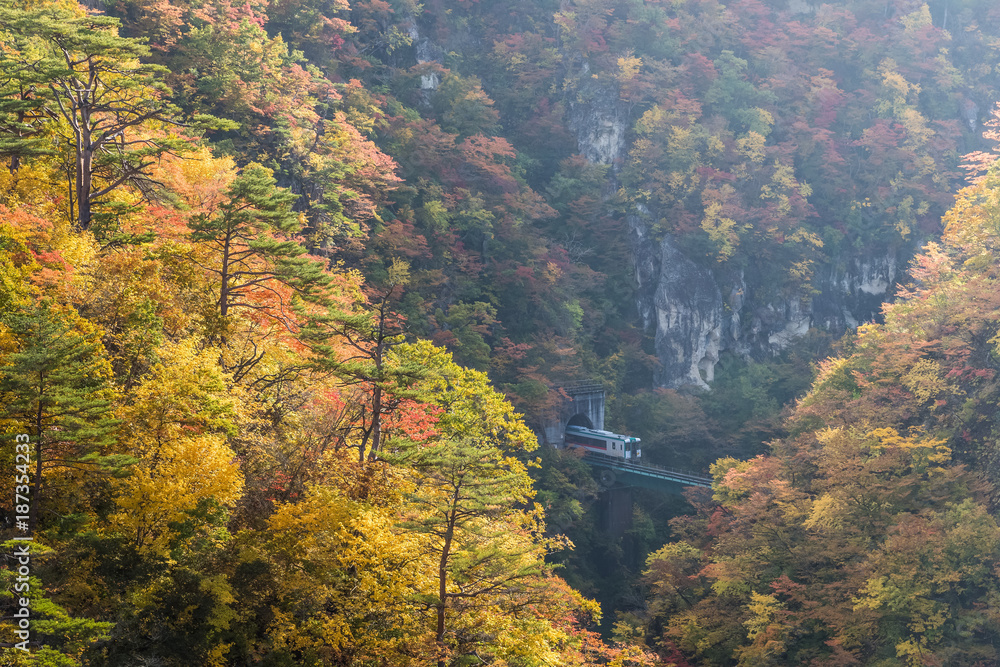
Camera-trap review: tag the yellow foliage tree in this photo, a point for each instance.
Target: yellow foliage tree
(347, 577)
(177, 425)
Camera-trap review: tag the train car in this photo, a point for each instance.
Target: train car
(604, 442)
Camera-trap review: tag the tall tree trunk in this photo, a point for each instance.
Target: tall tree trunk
(377, 391)
(442, 605)
(224, 289)
(376, 422)
(15, 160)
(84, 156)
(227, 250)
(84, 179)
(37, 490)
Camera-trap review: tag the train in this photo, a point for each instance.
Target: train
(604, 442)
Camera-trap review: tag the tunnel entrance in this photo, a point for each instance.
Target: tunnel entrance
(582, 407)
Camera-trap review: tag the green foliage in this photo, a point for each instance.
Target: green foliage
(241, 234)
(257, 261)
(181, 615)
(74, 70)
(355, 346)
(769, 145)
(55, 388)
(242, 370)
(58, 638)
(462, 506)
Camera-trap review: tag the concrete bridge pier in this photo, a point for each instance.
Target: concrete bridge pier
(617, 508)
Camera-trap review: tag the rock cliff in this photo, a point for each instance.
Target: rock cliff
(697, 311)
(600, 121)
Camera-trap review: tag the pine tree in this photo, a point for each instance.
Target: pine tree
(252, 250)
(58, 637)
(22, 113)
(369, 332)
(489, 557)
(55, 388)
(76, 70)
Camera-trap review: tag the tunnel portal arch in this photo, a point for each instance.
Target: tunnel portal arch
(583, 405)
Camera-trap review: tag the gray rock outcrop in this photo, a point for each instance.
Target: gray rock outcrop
(696, 311)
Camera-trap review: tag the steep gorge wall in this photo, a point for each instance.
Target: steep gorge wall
(698, 311)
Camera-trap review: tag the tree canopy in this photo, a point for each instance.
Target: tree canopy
(289, 289)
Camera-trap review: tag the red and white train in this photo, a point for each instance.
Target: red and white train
(604, 442)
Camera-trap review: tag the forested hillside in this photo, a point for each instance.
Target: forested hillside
(869, 534)
(541, 152)
(218, 437)
(288, 287)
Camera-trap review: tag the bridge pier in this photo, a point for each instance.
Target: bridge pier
(617, 508)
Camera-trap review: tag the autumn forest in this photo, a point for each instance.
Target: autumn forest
(290, 291)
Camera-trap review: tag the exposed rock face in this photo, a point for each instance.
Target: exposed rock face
(697, 312)
(969, 111)
(646, 261)
(688, 320)
(856, 295)
(425, 51)
(694, 322)
(801, 7)
(600, 121)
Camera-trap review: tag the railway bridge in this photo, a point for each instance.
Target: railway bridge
(583, 405)
(644, 475)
